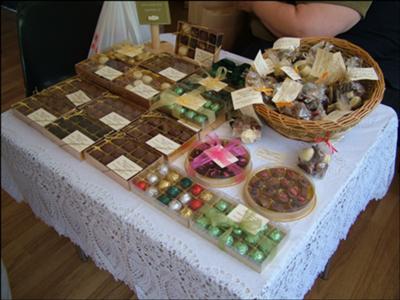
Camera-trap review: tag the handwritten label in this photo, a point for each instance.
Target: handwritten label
(108, 73)
(124, 167)
(204, 57)
(263, 66)
(172, 74)
(221, 156)
(238, 213)
(42, 117)
(190, 126)
(245, 97)
(78, 141)
(130, 51)
(191, 101)
(291, 73)
(361, 74)
(78, 98)
(163, 144)
(143, 90)
(287, 43)
(115, 121)
(213, 84)
(288, 91)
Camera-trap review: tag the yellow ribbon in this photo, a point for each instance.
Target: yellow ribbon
(267, 91)
(211, 83)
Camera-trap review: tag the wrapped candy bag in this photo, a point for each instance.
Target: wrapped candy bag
(246, 128)
(314, 160)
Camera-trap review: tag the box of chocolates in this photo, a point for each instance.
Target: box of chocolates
(128, 53)
(170, 66)
(218, 162)
(239, 231)
(121, 157)
(280, 193)
(174, 193)
(141, 85)
(162, 133)
(51, 103)
(113, 110)
(76, 131)
(199, 43)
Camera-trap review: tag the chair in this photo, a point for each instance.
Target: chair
(53, 37)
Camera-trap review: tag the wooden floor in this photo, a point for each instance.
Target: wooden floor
(43, 265)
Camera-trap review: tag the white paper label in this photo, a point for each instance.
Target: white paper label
(163, 144)
(42, 117)
(245, 97)
(115, 121)
(221, 156)
(288, 91)
(213, 84)
(238, 213)
(78, 98)
(78, 140)
(361, 74)
(190, 126)
(124, 167)
(172, 74)
(130, 51)
(108, 73)
(204, 57)
(263, 66)
(291, 73)
(191, 101)
(287, 43)
(143, 90)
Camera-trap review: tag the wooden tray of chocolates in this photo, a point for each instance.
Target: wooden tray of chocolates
(76, 131)
(175, 194)
(199, 43)
(219, 222)
(219, 162)
(48, 105)
(113, 110)
(170, 66)
(162, 133)
(121, 157)
(141, 85)
(280, 193)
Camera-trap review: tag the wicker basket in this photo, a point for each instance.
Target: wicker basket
(309, 131)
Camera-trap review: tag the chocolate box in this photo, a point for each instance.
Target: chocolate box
(121, 157)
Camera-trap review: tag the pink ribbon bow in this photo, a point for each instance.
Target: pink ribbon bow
(325, 139)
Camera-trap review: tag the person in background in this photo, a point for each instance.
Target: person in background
(372, 25)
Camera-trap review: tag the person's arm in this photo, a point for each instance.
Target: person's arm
(301, 20)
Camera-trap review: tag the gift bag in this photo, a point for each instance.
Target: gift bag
(118, 22)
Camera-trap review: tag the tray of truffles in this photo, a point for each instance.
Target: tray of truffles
(239, 231)
(192, 104)
(113, 110)
(280, 194)
(49, 104)
(174, 193)
(121, 157)
(76, 131)
(198, 43)
(218, 162)
(170, 66)
(128, 53)
(141, 85)
(162, 133)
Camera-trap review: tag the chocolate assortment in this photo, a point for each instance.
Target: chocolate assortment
(164, 134)
(219, 162)
(218, 222)
(280, 193)
(171, 191)
(198, 42)
(314, 161)
(169, 66)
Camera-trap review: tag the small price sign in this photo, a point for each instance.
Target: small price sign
(153, 12)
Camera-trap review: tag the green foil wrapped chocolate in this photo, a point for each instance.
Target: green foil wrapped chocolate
(203, 222)
(215, 107)
(185, 182)
(214, 231)
(252, 239)
(221, 205)
(179, 90)
(240, 247)
(201, 119)
(237, 231)
(276, 235)
(229, 241)
(207, 104)
(164, 199)
(257, 256)
(173, 191)
(266, 245)
(190, 114)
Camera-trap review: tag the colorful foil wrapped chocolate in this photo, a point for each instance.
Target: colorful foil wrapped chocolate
(219, 162)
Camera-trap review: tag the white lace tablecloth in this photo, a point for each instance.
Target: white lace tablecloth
(160, 258)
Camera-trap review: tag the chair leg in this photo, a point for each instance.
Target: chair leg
(83, 257)
(324, 274)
